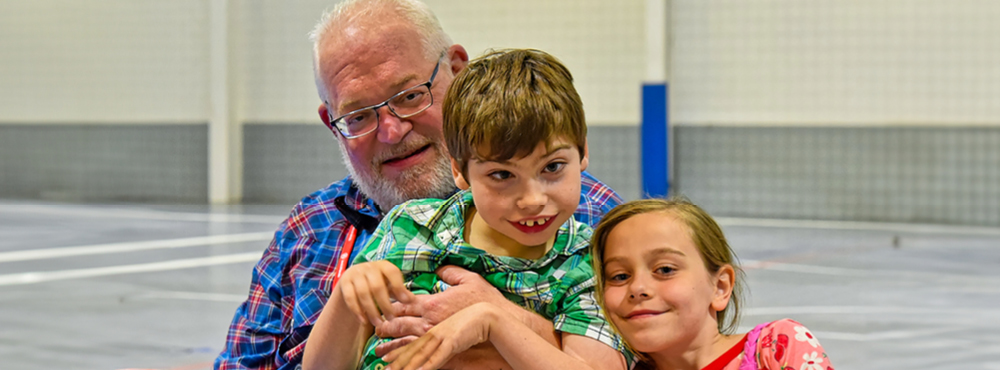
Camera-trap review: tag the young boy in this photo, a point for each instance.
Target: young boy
(515, 129)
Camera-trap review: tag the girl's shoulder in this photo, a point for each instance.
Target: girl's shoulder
(785, 343)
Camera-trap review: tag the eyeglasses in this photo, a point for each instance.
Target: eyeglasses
(404, 104)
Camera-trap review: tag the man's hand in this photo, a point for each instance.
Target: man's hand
(455, 335)
(424, 311)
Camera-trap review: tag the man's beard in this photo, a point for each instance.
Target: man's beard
(388, 193)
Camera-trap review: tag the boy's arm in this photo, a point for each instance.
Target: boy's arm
(516, 342)
(359, 300)
(336, 349)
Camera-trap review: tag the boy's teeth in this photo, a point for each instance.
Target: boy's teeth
(530, 223)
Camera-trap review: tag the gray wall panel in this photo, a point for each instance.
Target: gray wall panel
(147, 163)
(283, 163)
(614, 158)
(896, 174)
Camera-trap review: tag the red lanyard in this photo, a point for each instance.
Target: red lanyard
(345, 253)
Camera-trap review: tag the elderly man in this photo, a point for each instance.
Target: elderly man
(381, 68)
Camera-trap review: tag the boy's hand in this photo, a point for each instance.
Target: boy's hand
(368, 287)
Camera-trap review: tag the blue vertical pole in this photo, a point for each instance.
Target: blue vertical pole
(654, 131)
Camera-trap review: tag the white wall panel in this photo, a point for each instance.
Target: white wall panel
(600, 41)
(836, 62)
(109, 61)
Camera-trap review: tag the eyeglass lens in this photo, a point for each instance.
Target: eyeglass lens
(404, 104)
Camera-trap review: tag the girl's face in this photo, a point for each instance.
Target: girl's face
(657, 290)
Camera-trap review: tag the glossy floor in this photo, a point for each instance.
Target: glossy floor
(155, 287)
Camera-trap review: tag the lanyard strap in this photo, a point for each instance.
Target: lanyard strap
(345, 253)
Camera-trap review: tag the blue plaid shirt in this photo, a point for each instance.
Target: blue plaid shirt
(292, 281)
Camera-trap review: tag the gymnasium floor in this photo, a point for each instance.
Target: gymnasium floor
(154, 287)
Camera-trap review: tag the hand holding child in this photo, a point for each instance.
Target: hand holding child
(461, 331)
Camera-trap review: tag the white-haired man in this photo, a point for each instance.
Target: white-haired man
(381, 68)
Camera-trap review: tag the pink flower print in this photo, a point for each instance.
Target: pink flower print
(803, 335)
(779, 348)
(812, 362)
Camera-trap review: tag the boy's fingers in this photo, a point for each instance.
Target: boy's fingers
(380, 294)
(351, 300)
(367, 302)
(385, 348)
(422, 354)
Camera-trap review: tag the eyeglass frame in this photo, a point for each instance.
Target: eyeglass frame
(429, 84)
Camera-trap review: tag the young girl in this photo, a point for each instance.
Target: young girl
(667, 280)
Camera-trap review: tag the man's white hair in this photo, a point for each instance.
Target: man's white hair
(415, 12)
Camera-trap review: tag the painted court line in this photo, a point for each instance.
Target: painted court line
(65, 211)
(978, 282)
(867, 310)
(39, 277)
(37, 254)
(850, 225)
(193, 296)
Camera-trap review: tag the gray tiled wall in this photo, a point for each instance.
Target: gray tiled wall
(142, 163)
(283, 163)
(897, 174)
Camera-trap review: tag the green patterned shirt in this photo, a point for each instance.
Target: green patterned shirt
(421, 235)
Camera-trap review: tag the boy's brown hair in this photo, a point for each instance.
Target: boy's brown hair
(506, 102)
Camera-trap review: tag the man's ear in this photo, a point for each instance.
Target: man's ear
(585, 159)
(457, 58)
(456, 173)
(324, 115)
(725, 278)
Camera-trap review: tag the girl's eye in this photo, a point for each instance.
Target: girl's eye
(500, 175)
(618, 278)
(666, 270)
(554, 166)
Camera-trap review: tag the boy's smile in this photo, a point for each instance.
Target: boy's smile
(520, 203)
(534, 225)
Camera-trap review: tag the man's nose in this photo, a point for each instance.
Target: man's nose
(392, 129)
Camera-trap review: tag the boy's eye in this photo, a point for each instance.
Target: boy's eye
(554, 166)
(500, 175)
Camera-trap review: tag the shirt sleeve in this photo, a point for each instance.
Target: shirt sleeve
(596, 199)
(787, 344)
(580, 314)
(258, 327)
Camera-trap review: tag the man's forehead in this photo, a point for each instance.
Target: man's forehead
(358, 71)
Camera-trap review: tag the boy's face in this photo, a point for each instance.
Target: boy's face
(527, 199)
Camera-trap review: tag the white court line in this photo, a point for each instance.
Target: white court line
(63, 211)
(880, 336)
(806, 269)
(865, 310)
(980, 282)
(39, 277)
(37, 254)
(194, 296)
(851, 225)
